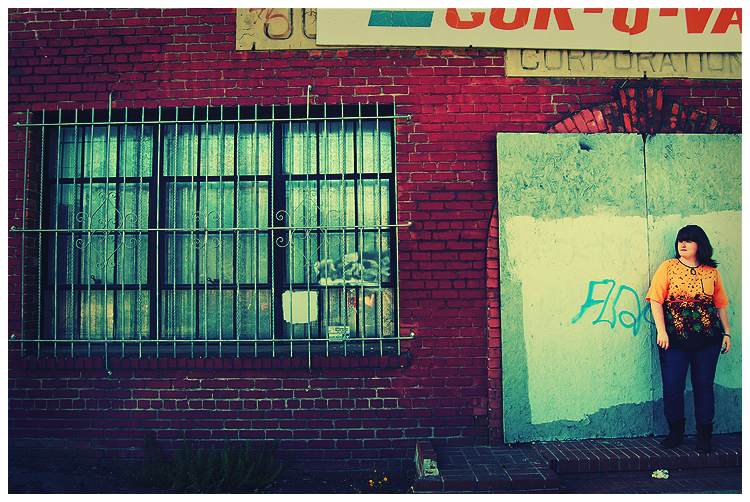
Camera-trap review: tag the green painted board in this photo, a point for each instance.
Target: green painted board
(583, 221)
(697, 179)
(574, 262)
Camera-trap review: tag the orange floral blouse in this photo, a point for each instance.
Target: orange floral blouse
(690, 298)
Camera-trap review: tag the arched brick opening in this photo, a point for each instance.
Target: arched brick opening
(641, 110)
(636, 110)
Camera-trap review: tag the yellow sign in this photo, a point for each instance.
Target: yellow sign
(275, 29)
(578, 63)
(596, 29)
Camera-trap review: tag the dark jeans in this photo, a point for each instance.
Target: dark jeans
(674, 366)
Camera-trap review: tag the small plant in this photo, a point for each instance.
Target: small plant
(235, 469)
(375, 484)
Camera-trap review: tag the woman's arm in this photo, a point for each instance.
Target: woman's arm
(657, 311)
(727, 341)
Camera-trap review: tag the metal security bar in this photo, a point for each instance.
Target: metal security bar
(223, 231)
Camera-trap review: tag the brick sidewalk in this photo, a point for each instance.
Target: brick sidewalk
(585, 466)
(727, 480)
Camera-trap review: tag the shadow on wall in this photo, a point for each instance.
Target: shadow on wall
(629, 420)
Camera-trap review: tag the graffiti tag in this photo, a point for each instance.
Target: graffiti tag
(276, 29)
(627, 318)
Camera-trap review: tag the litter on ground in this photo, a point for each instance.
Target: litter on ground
(660, 474)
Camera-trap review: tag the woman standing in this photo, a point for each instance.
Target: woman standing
(689, 303)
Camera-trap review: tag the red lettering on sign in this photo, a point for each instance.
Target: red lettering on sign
(726, 18)
(697, 19)
(519, 21)
(620, 21)
(454, 21)
(541, 22)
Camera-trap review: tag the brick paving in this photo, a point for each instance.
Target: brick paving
(585, 466)
(727, 480)
(634, 454)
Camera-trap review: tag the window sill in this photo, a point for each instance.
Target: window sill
(45, 359)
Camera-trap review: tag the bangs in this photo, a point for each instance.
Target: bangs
(690, 233)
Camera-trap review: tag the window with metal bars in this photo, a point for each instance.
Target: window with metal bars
(219, 231)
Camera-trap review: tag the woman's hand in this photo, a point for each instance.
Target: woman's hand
(726, 344)
(662, 340)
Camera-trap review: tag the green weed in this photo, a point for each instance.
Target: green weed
(238, 468)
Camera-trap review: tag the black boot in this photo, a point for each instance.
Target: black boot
(704, 431)
(676, 433)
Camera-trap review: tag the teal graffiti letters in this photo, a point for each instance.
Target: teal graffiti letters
(627, 319)
(590, 302)
(636, 321)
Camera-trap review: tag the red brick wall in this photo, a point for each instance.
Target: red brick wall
(352, 413)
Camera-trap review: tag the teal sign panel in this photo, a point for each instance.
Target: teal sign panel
(401, 19)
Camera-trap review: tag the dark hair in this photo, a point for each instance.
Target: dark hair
(694, 233)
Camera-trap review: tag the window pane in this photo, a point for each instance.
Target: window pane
(216, 315)
(100, 151)
(67, 161)
(301, 203)
(180, 258)
(178, 312)
(216, 205)
(62, 315)
(217, 149)
(337, 205)
(301, 254)
(254, 153)
(97, 315)
(252, 246)
(63, 260)
(252, 258)
(300, 143)
(254, 313)
(337, 148)
(345, 265)
(377, 304)
(133, 314)
(375, 258)
(338, 260)
(103, 260)
(252, 204)
(376, 147)
(136, 151)
(64, 206)
(367, 311)
(181, 205)
(134, 205)
(374, 203)
(181, 150)
(101, 206)
(215, 258)
(131, 260)
(200, 205)
(97, 257)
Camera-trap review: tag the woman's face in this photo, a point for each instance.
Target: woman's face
(687, 249)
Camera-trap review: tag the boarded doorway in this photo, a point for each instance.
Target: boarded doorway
(584, 221)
